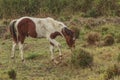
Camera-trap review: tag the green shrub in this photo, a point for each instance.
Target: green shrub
(104, 29)
(76, 30)
(109, 40)
(112, 71)
(12, 74)
(87, 26)
(118, 37)
(118, 58)
(91, 8)
(81, 58)
(93, 37)
(92, 13)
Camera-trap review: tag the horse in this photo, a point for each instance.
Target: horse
(48, 28)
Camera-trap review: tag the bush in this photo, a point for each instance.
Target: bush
(109, 40)
(12, 74)
(81, 58)
(112, 71)
(118, 40)
(76, 30)
(92, 13)
(118, 58)
(93, 37)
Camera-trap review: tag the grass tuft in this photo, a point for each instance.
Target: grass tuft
(109, 40)
(12, 74)
(93, 37)
(111, 72)
(82, 58)
(32, 56)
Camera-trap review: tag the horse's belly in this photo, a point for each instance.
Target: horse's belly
(40, 32)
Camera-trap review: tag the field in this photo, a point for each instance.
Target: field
(38, 65)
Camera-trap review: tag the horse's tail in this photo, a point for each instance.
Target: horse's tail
(13, 30)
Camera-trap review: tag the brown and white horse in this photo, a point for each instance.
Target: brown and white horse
(39, 28)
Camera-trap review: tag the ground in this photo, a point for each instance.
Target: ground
(38, 65)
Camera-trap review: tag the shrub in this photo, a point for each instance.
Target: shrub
(104, 29)
(92, 13)
(93, 37)
(108, 40)
(112, 71)
(76, 30)
(118, 58)
(81, 58)
(118, 39)
(12, 74)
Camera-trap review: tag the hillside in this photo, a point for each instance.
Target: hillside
(38, 66)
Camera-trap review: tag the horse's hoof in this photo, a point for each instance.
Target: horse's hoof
(23, 60)
(60, 57)
(55, 61)
(12, 57)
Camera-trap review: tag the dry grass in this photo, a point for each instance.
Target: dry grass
(38, 65)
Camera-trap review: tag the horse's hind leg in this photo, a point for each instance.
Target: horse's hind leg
(20, 43)
(13, 49)
(21, 50)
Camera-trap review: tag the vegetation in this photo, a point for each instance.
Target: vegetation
(89, 62)
(88, 8)
(93, 65)
(76, 30)
(82, 58)
(108, 40)
(93, 38)
(118, 58)
(12, 74)
(112, 71)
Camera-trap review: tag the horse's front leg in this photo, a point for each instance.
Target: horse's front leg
(57, 44)
(20, 43)
(60, 52)
(52, 50)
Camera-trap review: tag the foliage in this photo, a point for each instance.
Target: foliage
(91, 8)
(108, 40)
(118, 58)
(12, 74)
(112, 71)
(82, 58)
(93, 37)
(76, 30)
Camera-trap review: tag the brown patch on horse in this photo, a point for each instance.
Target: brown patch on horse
(69, 35)
(54, 35)
(26, 27)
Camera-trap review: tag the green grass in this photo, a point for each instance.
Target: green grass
(38, 65)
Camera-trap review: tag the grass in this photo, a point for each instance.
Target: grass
(38, 65)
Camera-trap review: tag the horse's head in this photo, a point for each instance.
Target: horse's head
(69, 36)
